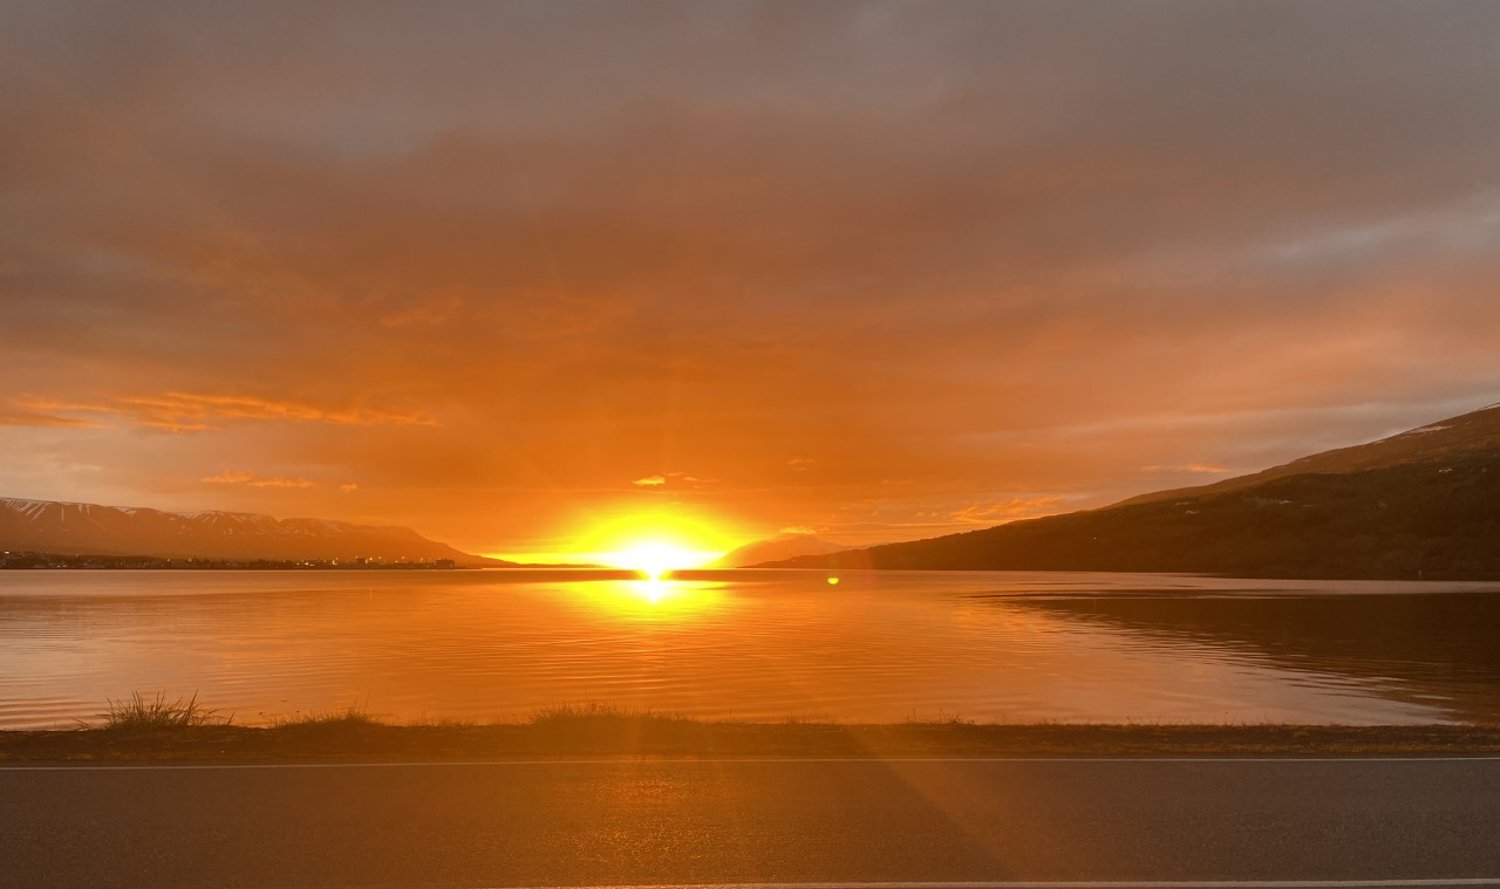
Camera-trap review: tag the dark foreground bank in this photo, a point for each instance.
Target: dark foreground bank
(344, 740)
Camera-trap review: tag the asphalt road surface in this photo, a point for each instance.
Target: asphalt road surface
(760, 821)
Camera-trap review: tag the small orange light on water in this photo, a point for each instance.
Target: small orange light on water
(833, 581)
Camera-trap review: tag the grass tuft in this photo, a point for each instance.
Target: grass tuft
(141, 713)
(349, 717)
(942, 719)
(565, 715)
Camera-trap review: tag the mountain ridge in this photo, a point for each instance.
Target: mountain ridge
(1424, 503)
(1475, 432)
(76, 528)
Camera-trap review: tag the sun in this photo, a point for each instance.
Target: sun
(654, 558)
(656, 542)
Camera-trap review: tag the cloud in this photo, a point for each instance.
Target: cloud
(1193, 468)
(348, 488)
(674, 479)
(251, 480)
(196, 412)
(1007, 510)
(430, 314)
(21, 416)
(807, 248)
(190, 409)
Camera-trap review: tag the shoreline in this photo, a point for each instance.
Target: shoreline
(341, 739)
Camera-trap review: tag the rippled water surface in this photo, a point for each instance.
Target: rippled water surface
(991, 646)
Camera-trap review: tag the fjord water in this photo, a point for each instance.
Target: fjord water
(758, 645)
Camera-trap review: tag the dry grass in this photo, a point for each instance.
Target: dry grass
(350, 717)
(942, 718)
(153, 728)
(595, 714)
(141, 713)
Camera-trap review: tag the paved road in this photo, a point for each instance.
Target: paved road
(597, 823)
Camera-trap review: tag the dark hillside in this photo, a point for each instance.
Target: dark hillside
(1475, 434)
(1422, 504)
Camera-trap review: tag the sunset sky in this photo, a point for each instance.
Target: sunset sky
(510, 273)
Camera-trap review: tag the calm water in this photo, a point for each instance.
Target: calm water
(994, 646)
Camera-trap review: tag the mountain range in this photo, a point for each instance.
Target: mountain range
(89, 529)
(1421, 504)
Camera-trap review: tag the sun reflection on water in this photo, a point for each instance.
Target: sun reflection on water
(651, 598)
(653, 589)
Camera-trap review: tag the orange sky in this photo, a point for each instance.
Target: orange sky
(880, 271)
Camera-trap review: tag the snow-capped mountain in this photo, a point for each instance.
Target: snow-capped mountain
(86, 528)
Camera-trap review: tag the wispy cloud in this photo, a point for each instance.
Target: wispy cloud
(1191, 468)
(251, 480)
(1007, 510)
(179, 407)
(673, 479)
(197, 412)
(424, 314)
(23, 416)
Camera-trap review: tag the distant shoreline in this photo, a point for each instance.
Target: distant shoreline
(21, 560)
(353, 738)
(38, 561)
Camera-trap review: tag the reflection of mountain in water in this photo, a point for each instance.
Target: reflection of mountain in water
(1435, 649)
